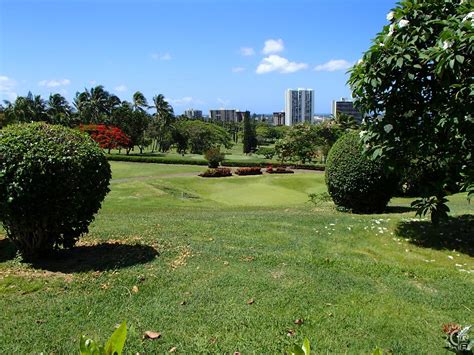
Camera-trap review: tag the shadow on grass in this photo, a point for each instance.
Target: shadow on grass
(100, 257)
(456, 233)
(399, 209)
(7, 250)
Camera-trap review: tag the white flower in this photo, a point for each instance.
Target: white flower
(360, 61)
(447, 44)
(403, 23)
(390, 16)
(469, 16)
(387, 128)
(381, 44)
(391, 30)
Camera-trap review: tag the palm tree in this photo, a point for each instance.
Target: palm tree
(38, 107)
(59, 110)
(96, 105)
(8, 111)
(162, 123)
(27, 109)
(164, 111)
(139, 101)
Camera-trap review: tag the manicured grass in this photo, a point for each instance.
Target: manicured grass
(124, 170)
(358, 281)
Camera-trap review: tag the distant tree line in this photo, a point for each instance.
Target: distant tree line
(100, 113)
(153, 126)
(305, 143)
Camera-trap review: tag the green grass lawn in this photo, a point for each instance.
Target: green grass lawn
(198, 250)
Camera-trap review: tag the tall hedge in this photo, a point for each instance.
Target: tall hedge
(52, 181)
(354, 181)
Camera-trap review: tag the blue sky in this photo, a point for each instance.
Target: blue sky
(203, 54)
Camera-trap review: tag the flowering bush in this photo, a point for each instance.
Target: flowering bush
(255, 170)
(218, 172)
(279, 170)
(108, 137)
(415, 85)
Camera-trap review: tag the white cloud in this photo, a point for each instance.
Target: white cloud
(184, 101)
(238, 69)
(273, 46)
(92, 82)
(7, 87)
(223, 102)
(279, 64)
(334, 65)
(161, 56)
(247, 51)
(120, 88)
(54, 83)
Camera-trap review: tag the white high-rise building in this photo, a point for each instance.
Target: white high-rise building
(192, 113)
(299, 106)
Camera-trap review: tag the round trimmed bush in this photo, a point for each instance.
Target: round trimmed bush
(354, 181)
(53, 180)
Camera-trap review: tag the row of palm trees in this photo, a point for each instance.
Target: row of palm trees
(96, 106)
(92, 106)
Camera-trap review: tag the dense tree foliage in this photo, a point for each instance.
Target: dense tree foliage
(345, 121)
(249, 134)
(416, 84)
(305, 143)
(201, 136)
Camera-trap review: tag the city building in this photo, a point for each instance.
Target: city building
(299, 106)
(192, 113)
(239, 115)
(278, 118)
(347, 107)
(222, 115)
(225, 115)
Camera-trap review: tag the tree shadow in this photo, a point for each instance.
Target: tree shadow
(7, 250)
(455, 233)
(399, 209)
(100, 257)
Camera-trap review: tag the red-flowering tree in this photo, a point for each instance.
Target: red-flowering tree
(108, 137)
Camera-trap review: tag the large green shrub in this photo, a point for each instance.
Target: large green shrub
(354, 181)
(52, 181)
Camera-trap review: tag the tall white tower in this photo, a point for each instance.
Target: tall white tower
(299, 106)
